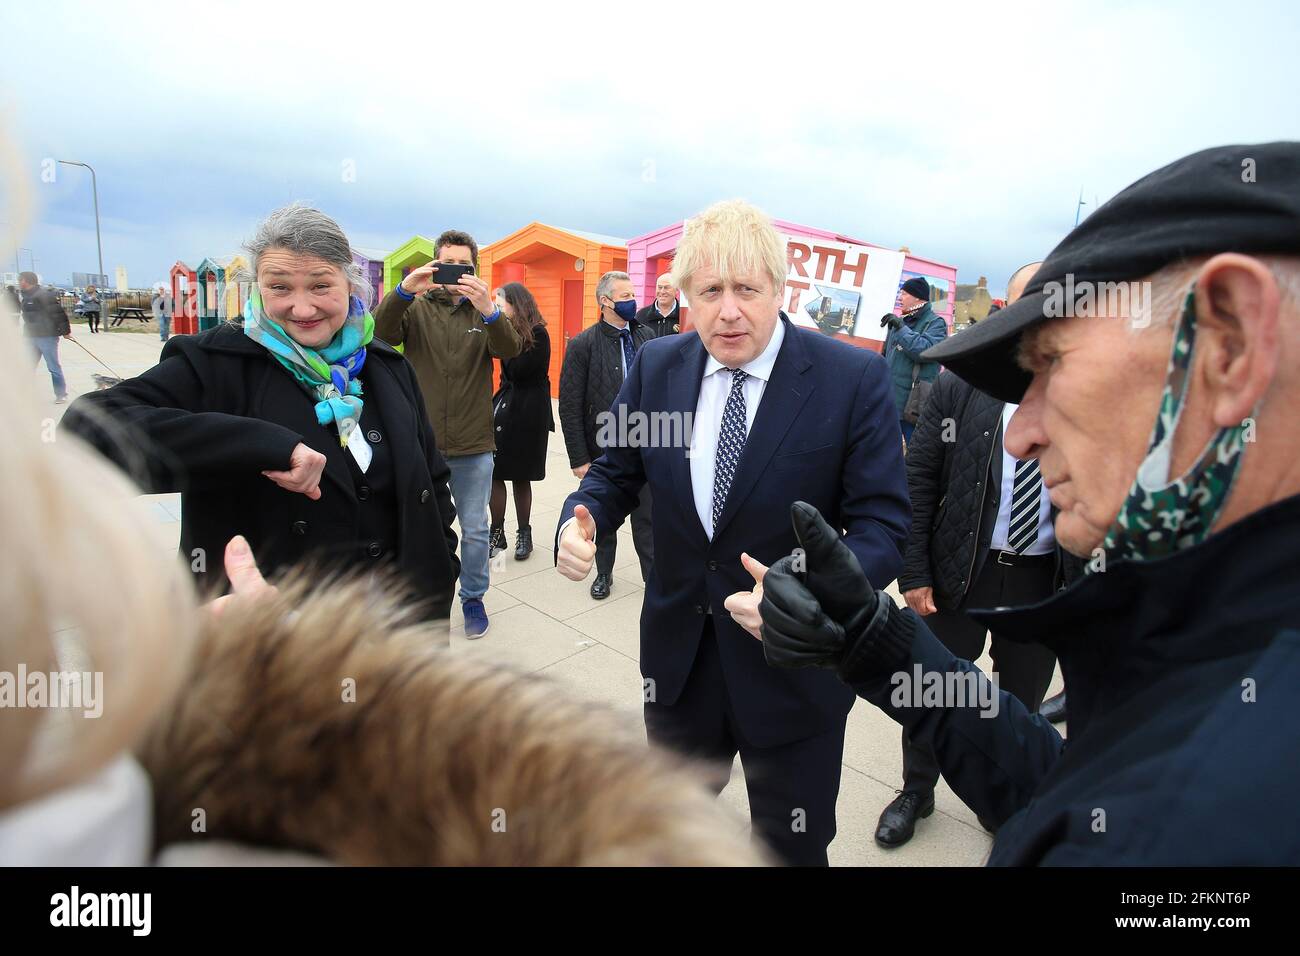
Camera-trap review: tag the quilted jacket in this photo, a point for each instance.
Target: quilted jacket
(948, 481)
(589, 382)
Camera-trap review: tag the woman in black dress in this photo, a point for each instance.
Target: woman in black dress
(522, 417)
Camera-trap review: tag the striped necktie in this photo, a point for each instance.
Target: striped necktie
(1026, 492)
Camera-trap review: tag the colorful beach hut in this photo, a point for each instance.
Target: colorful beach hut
(184, 285)
(560, 267)
(371, 262)
(220, 295)
(651, 255)
(411, 254)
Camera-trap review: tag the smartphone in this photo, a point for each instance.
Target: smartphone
(447, 274)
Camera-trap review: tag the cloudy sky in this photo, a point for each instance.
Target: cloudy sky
(964, 131)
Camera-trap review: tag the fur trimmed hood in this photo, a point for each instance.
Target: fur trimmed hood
(327, 720)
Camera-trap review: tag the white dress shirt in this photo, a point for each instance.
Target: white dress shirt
(714, 390)
(1046, 542)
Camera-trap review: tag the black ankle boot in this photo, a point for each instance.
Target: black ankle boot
(523, 543)
(496, 540)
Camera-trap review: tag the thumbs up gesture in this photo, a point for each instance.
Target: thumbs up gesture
(577, 545)
(743, 605)
(818, 601)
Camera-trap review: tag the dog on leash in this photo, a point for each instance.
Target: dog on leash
(103, 382)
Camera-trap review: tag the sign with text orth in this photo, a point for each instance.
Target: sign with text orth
(839, 288)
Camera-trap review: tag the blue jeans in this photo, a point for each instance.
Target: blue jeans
(471, 485)
(164, 325)
(47, 347)
(907, 429)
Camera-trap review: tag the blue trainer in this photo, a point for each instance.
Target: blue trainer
(476, 619)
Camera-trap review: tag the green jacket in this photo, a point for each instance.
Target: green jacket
(903, 348)
(451, 349)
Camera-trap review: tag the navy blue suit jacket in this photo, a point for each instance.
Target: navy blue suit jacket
(826, 432)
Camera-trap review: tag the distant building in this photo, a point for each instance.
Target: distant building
(973, 303)
(121, 279)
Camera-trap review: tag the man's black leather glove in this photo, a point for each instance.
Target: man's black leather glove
(891, 320)
(817, 603)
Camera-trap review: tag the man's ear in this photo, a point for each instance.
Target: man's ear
(1237, 341)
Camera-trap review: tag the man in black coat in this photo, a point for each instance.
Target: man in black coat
(1174, 474)
(981, 537)
(663, 316)
(596, 362)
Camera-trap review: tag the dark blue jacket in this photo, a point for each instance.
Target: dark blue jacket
(903, 348)
(1184, 682)
(826, 432)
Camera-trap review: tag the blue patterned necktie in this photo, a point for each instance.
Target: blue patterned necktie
(1026, 490)
(629, 349)
(731, 442)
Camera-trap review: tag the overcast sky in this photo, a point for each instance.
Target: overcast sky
(964, 131)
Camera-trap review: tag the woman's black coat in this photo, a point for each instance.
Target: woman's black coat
(217, 410)
(523, 415)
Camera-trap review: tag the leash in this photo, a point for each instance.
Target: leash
(96, 358)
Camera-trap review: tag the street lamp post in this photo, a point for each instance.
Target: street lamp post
(94, 187)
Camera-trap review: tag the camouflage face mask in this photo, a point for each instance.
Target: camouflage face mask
(1160, 515)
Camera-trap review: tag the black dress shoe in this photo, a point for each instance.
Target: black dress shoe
(601, 587)
(523, 543)
(898, 821)
(1054, 708)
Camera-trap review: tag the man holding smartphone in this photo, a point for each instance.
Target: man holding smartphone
(444, 316)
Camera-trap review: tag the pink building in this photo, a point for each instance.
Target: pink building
(651, 255)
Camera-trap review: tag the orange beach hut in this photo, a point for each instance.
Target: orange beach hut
(560, 267)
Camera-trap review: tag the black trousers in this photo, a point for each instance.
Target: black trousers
(92, 319)
(642, 540)
(792, 788)
(1024, 670)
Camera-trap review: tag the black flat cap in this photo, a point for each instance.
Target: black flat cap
(1226, 199)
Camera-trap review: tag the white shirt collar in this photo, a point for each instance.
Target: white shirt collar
(760, 367)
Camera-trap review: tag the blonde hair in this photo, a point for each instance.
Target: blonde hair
(736, 239)
(86, 588)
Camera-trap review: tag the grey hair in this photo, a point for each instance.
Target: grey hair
(306, 231)
(1169, 285)
(605, 287)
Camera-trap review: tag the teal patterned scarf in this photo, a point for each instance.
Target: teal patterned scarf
(1161, 514)
(328, 374)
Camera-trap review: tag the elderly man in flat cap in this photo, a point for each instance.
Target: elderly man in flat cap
(1156, 360)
